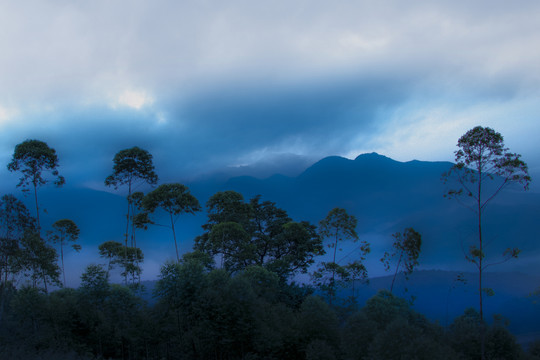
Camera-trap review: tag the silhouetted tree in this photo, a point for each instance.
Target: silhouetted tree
(39, 259)
(175, 199)
(113, 251)
(95, 283)
(65, 230)
(483, 168)
(128, 259)
(136, 200)
(15, 220)
(407, 246)
(32, 158)
(131, 167)
(228, 210)
(227, 206)
(257, 233)
(131, 266)
(339, 226)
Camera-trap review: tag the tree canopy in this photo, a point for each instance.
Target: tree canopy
(131, 165)
(259, 233)
(32, 158)
(65, 230)
(407, 247)
(339, 226)
(175, 199)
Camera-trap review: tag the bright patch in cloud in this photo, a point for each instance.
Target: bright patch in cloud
(6, 115)
(135, 99)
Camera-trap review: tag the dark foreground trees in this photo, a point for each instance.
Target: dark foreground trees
(202, 313)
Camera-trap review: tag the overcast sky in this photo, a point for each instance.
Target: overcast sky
(205, 85)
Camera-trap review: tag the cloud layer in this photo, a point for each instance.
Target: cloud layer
(210, 84)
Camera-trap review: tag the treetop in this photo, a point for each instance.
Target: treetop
(31, 157)
(131, 164)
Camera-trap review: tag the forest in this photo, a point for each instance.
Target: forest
(236, 295)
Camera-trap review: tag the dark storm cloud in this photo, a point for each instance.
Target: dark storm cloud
(315, 118)
(218, 128)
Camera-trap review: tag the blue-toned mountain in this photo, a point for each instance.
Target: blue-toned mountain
(388, 195)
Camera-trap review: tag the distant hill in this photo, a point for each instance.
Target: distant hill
(440, 297)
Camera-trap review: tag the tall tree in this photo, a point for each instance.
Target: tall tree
(65, 230)
(128, 259)
(131, 266)
(339, 226)
(407, 246)
(113, 251)
(175, 199)
(132, 167)
(483, 168)
(32, 158)
(136, 200)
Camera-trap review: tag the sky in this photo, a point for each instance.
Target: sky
(211, 85)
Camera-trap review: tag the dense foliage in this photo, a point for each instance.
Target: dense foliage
(203, 313)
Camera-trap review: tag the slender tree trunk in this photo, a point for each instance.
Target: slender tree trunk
(127, 216)
(108, 268)
(34, 277)
(333, 281)
(62, 259)
(133, 240)
(44, 281)
(37, 207)
(127, 231)
(397, 269)
(480, 268)
(174, 236)
(3, 290)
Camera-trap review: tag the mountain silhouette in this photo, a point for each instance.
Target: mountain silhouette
(387, 196)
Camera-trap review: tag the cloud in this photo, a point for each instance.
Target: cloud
(81, 50)
(210, 84)
(135, 99)
(7, 115)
